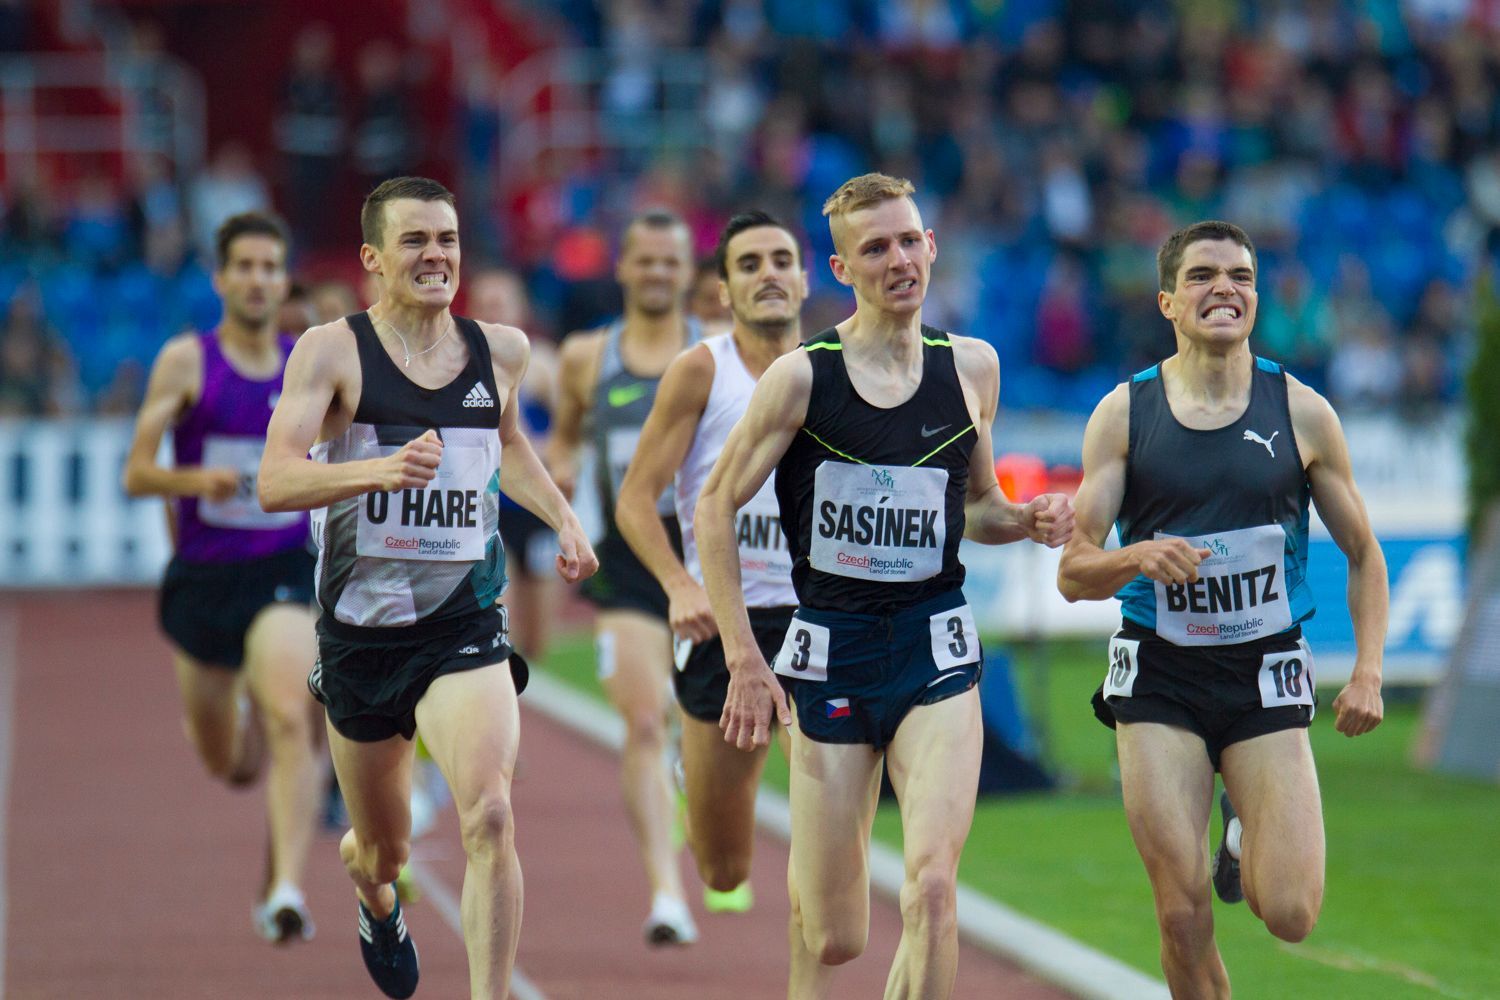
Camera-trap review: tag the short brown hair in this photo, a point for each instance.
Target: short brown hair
(247, 224)
(372, 215)
(1169, 257)
(864, 191)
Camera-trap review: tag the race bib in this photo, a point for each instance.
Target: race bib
(1287, 678)
(955, 640)
(440, 522)
(1240, 593)
(242, 454)
(763, 553)
(1124, 665)
(804, 652)
(874, 522)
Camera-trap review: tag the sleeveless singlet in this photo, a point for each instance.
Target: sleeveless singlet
(765, 565)
(622, 402)
(415, 555)
(227, 427)
(874, 496)
(1240, 491)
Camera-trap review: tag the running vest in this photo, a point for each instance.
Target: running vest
(226, 427)
(415, 555)
(1239, 491)
(621, 403)
(874, 497)
(765, 564)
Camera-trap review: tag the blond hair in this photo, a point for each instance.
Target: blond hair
(864, 191)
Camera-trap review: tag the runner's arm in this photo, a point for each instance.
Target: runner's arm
(665, 439)
(176, 380)
(577, 372)
(988, 516)
(318, 371)
(1088, 571)
(776, 412)
(522, 475)
(1320, 439)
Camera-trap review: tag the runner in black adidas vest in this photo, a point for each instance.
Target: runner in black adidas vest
(879, 433)
(1207, 462)
(607, 381)
(703, 394)
(405, 410)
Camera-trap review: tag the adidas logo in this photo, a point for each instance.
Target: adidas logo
(479, 396)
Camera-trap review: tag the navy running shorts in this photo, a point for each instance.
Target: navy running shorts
(370, 679)
(853, 678)
(623, 582)
(206, 608)
(1224, 694)
(701, 679)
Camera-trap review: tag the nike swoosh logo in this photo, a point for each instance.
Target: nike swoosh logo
(936, 430)
(624, 395)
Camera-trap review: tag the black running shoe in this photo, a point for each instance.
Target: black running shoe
(1226, 870)
(389, 952)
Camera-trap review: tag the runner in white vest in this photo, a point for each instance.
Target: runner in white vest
(701, 397)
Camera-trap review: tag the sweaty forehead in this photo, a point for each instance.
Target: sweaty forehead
(883, 219)
(1224, 254)
(406, 215)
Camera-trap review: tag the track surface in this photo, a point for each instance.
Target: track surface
(129, 874)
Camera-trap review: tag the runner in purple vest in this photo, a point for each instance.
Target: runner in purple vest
(236, 598)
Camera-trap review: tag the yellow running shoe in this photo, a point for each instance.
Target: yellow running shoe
(740, 899)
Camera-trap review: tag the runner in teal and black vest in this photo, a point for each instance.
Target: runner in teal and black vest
(1206, 463)
(607, 382)
(878, 431)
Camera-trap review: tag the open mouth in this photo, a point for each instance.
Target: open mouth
(904, 285)
(1222, 312)
(433, 280)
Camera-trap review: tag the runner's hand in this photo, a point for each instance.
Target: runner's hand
(1049, 519)
(414, 464)
(575, 559)
(689, 613)
(1358, 708)
(218, 484)
(1169, 560)
(754, 692)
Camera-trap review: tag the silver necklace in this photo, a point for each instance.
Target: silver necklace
(426, 350)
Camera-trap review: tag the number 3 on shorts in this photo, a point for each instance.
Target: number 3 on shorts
(1124, 664)
(804, 652)
(955, 640)
(1286, 678)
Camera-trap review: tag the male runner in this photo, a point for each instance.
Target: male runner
(1207, 461)
(607, 380)
(879, 433)
(701, 396)
(405, 409)
(236, 598)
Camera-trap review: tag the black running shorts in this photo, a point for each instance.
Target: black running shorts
(701, 679)
(206, 608)
(1224, 694)
(370, 679)
(623, 583)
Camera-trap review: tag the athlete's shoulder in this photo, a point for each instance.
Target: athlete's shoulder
(696, 362)
(184, 351)
(327, 348)
(1311, 412)
(509, 345)
(580, 347)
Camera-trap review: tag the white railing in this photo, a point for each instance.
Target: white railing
(65, 521)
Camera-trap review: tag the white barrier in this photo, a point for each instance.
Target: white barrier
(65, 521)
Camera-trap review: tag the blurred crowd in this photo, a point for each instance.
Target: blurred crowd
(1054, 144)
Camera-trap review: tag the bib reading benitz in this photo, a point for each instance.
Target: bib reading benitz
(873, 497)
(1238, 491)
(423, 554)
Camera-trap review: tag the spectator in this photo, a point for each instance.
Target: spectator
(310, 134)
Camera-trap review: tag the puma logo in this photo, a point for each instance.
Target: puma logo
(1252, 436)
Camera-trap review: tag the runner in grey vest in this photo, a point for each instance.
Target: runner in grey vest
(1207, 462)
(606, 384)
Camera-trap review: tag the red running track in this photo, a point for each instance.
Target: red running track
(129, 874)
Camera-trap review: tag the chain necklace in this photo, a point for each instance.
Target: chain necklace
(407, 350)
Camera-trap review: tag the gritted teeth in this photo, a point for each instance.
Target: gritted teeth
(1217, 311)
(904, 285)
(432, 279)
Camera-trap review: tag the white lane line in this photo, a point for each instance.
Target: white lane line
(1046, 953)
(9, 637)
(445, 902)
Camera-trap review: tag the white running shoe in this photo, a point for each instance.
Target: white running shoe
(670, 922)
(283, 916)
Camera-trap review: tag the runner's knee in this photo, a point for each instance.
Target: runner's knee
(1186, 923)
(287, 721)
(1291, 918)
(645, 726)
(834, 946)
(380, 862)
(487, 825)
(929, 894)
